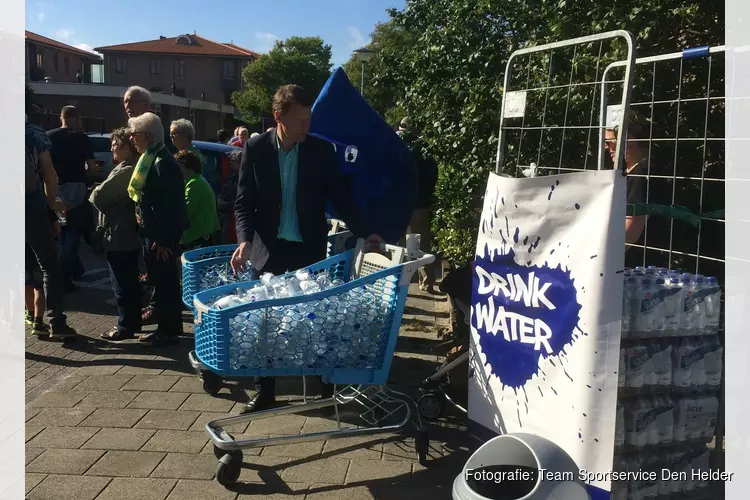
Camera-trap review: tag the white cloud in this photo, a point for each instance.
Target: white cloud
(265, 41)
(358, 39)
(65, 34)
(87, 48)
(40, 16)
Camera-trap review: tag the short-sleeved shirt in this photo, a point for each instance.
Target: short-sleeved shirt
(37, 143)
(70, 151)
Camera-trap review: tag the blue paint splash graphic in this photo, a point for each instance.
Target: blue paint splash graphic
(514, 362)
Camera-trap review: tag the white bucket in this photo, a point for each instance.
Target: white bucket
(522, 455)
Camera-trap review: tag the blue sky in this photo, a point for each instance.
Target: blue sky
(345, 24)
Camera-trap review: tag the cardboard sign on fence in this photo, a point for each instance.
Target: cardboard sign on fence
(545, 312)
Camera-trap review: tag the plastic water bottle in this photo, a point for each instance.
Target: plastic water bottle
(712, 302)
(639, 418)
(682, 365)
(712, 362)
(639, 366)
(664, 429)
(620, 426)
(623, 369)
(630, 285)
(672, 305)
(681, 422)
(661, 359)
(649, 315)
(692, 304)
(61, 217)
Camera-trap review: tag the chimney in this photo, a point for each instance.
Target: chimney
(162, 37)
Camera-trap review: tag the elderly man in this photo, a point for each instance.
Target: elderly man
(182, 134)
(158, 190)
(137, 101)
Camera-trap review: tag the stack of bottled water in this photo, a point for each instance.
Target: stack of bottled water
(662, 303)
(347, 329)
(669, 377)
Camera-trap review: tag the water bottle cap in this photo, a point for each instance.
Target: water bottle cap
(712, 279)
(650, 272)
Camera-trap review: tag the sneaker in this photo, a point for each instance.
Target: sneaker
(29, 318)
(61, 332)
(39, 328)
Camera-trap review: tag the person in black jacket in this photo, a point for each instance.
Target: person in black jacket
(162, 216)
(285, 178)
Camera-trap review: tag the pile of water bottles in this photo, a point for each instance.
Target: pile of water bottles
(343, 328)
(218, 275)
(658, 302)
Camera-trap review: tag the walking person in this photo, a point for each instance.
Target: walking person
(73, 159)
(121, 240)
(39, 236)
(285, 178)
(158, 190)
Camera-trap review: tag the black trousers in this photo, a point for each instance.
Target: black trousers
(123, 272)
(41, 240)
(165, 278)
(287, 256)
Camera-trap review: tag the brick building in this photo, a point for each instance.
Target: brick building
(187, 66)
(57, 61)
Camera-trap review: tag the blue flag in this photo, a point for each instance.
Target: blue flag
(377, 164)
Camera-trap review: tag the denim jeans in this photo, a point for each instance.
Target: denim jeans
(123, 272)
(41, 239)
(70, 241)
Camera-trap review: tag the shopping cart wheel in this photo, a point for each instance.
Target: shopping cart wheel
(431, 406)
(212, 383)
(422, 445)
(218, 453)
(228, 470)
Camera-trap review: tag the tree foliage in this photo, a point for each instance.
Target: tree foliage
(304, 61)
(451, 75)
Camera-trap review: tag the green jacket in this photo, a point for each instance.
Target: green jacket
(201, 207)
(117, 210)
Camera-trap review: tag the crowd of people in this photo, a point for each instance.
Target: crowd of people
(156, 204)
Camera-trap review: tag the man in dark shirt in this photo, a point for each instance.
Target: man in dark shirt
(71, 154)
(636, 168)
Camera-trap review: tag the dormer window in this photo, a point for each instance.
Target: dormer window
(184, 40)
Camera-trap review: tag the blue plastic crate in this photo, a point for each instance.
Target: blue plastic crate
(196, 264)
(368, 345)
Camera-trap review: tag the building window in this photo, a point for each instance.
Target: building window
(155, 67)
(179, 68)
(121, 65)
(54, 62)
(40, 58)
(66, 64)
(229, 69)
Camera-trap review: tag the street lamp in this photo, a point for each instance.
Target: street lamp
(364, 55)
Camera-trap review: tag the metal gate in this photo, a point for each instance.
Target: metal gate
(558, 101)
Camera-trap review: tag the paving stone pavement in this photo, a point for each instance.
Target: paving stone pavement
(120, 421)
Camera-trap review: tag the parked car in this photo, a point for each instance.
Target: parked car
(217, 158)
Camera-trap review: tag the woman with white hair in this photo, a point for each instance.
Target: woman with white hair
(158, 189)
(243, 136)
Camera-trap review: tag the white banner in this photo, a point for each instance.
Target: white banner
(545, 313)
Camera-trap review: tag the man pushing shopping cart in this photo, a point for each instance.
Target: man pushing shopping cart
(285, 178)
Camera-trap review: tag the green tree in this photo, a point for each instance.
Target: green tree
(383, 89)
(452, 75)
(304, 61)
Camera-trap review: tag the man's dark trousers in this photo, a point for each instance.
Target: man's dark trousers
(164, 276)
(41, 239)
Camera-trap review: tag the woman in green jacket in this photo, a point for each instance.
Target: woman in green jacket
(201, 203)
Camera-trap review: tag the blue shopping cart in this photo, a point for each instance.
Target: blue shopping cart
(205, 268)
(346, 334)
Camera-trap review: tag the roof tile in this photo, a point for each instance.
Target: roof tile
(62, 46)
